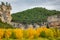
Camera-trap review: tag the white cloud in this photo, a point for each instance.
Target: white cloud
(20, 5)
(8, 0)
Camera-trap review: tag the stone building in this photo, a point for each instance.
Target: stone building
(5, 15)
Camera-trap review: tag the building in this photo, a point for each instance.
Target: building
(5, 15)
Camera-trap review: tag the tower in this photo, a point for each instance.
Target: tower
(5, 15)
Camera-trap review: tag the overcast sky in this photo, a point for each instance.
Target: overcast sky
(21, 5)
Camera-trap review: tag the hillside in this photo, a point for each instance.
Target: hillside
(5, 25)
(34, 15)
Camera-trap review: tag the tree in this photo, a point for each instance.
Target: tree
(34, 15)
(2, 3)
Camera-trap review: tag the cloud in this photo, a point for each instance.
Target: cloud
(8, 0)
(20, 5)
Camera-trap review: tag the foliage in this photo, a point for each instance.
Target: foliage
(29, 33)
(8, 33)
(43, 34)
(34, 15)
(18, 33)
(5, 25)
(1, 33)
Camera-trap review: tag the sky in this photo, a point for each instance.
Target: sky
(21, 5)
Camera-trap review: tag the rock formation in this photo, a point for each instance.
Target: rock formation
(5, 15)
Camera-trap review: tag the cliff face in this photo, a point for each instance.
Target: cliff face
(53, 18)
(54, 21)
(5, 15)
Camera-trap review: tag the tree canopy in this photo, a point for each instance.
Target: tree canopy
(34, 15)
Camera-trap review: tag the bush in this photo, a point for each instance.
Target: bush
(1, 33)
(28, 33)
(18, 33)
(43, 34)
(8, 33)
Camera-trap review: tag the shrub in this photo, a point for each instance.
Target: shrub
(18, 33)
(49, 33)
(1, 33)
(43, 34)
(30, 32)
(8, 33)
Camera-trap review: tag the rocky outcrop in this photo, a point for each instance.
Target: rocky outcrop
(5, 15)
(54, 21)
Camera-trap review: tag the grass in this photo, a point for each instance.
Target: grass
(33, 39)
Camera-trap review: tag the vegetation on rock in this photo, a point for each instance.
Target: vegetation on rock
(5, 25)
